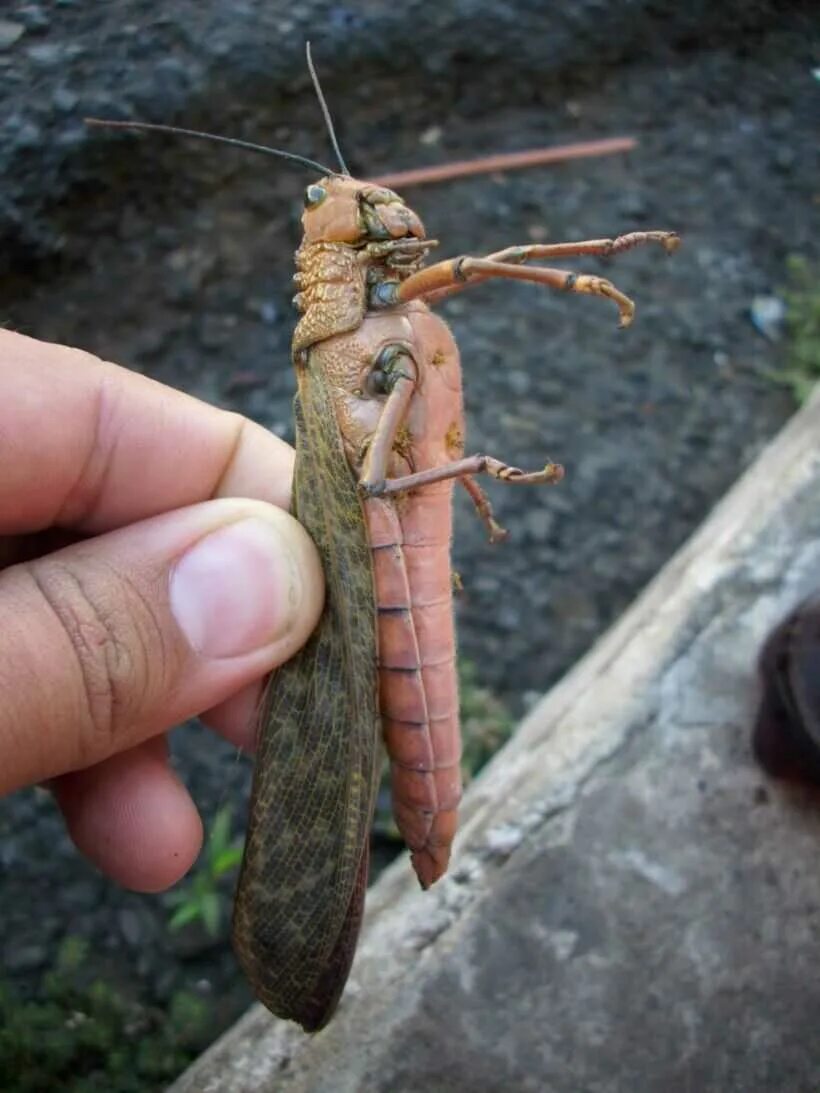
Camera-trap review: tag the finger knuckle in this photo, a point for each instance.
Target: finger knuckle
(111, 633)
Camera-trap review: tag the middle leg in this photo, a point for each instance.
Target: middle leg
(459, 468)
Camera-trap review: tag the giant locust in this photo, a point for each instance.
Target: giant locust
(379, 444)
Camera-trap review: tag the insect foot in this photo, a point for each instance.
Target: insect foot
(599, 286)
(549, 476)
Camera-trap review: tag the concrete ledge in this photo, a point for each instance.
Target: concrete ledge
(632, 905)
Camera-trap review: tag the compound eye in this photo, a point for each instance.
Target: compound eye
(314, 195)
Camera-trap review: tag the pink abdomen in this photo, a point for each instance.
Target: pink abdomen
(418, 687)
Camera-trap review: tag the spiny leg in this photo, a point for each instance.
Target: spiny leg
(484, 508)
(529, 252)
(604, 248)
(459, 271)
(395, 372)
(473, 464)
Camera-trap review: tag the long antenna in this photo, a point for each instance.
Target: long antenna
(325, 111)
(303, 161)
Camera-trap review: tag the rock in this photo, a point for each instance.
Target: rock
(10, 33)
(27, 134)
(216, 331)
(538, 522)
(636, 909)
(768, 313)
(80, 894)
(632, 206)
(266, 310)
(132, 927)
(25, 958)
(519, 381)
(165, 982)
(33, 17)
(46, 54)
(65, 100)
(193, 940)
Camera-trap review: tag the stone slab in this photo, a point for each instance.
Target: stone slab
(633, 905)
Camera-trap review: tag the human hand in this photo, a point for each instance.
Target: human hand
(173, 596)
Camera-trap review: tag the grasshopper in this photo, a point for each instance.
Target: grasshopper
(379, 443)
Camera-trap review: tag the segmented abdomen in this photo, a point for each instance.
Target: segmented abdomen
(418, 688)
(409, 536)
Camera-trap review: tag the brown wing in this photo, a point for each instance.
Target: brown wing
(304, 873)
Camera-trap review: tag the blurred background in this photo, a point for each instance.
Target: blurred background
(175, 259)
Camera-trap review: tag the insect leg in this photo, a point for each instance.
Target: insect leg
(483, 508)
(394, 372)
(533, 251)
(605, 248)
(457, 272)
(473, 464)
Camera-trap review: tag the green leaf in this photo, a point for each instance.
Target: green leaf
(802, 299)
(188, 912)
(220, 832)
(227, 860)
(71, 954)
(211, 913)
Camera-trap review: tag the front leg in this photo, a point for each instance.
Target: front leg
(516, 255)
(395, 373)
(602, 248)
(455, 273)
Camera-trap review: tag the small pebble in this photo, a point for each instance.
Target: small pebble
(266, 310)
(65, 100)
(46, 54)
(431, 136)
(10, 33)
(28, 135)
(538, 522)
(34, 18)
(502, 840)
(130, 926)
(632, 205)
(767, 314)
(25, 958)
(519, 381)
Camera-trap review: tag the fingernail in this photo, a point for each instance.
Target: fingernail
(236, 590)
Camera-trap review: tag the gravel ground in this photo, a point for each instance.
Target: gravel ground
(176, 259)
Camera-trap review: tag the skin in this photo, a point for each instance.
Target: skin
(110, 484)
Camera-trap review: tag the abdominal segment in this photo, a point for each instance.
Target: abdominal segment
(418, 688)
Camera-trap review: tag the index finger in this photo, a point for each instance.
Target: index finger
(88, 445)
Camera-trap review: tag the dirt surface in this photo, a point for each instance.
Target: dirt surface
(176, 259)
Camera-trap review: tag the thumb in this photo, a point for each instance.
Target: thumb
(118, 638)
